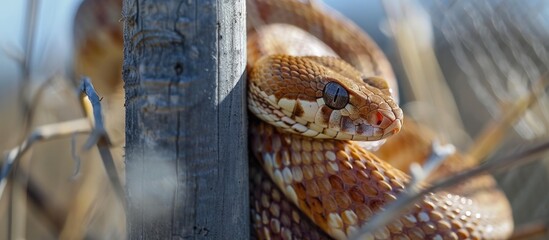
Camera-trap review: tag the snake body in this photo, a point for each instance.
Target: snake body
(311, 110)
(316, 85)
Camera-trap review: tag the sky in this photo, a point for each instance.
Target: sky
(52, 45)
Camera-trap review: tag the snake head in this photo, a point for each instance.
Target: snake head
(372, 109)
(322, 97)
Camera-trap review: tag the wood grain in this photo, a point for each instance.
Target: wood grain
(186, 157)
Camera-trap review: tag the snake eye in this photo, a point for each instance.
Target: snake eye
(335, 96)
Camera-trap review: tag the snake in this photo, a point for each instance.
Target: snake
(317, 86)
(323, 96)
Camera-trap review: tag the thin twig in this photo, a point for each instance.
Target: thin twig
(53, 214)
(426, 82)
(13, 53)
(100, 137)
(28, 38)
(42, 133)
(409, 197)
(28, 117)
(16, 223)
(75, 157)
(494, 133)
(439, 153)
(486, 143)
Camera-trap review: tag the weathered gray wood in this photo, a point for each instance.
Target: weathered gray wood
(186, 157)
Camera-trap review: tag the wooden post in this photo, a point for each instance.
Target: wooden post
(186, 146)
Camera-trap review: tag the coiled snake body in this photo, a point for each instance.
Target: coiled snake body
(311, 110)
(319, 183)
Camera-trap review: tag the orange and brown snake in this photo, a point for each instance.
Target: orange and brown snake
(313, 109)
(319, 182)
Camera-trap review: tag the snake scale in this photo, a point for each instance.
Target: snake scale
(312, 109)
(317, 85)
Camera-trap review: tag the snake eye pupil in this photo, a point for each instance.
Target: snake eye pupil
(335, 96)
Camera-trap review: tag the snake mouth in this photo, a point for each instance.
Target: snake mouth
(393, 128)
(376, 125)
(369, 132)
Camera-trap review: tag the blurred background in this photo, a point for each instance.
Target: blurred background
(461, 66)
(50, 44)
